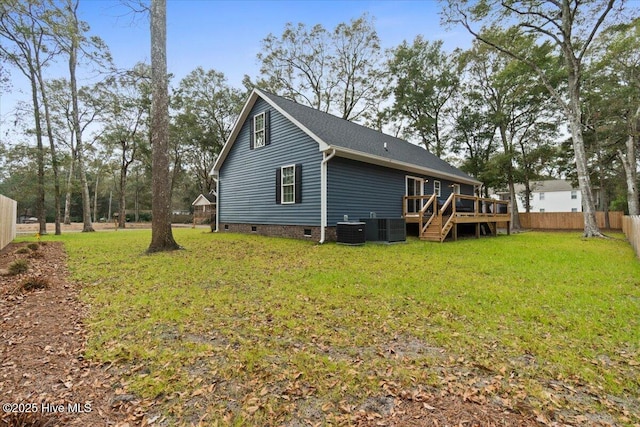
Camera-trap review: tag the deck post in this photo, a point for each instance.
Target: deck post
(477, 230)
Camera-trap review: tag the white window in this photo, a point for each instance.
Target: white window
(288, 184)
(541, 209)
(574, 209)
(541, 196)
(574, 195)
(436, 188)
(259, 130)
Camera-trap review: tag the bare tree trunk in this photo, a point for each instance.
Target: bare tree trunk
(123, 194)
(507, 146)
(629, 161)
(67, 200)
(42, 215)
(161, 234)
(631, 175)
(73, 61)
(54, 158)
(95, 198)
(591, 228)
(515, 215)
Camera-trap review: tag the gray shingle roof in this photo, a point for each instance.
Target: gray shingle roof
(340, 133)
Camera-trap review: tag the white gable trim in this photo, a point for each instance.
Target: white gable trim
(202, 201)
(243, 117)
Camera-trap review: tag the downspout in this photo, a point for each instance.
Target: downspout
(217, 180)
(323, 193)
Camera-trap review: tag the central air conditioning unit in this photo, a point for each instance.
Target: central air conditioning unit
(388, 230)
(350, 233)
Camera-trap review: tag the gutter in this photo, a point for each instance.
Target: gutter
(323, 192)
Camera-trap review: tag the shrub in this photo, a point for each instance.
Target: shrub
(23, 250)
(33, 246)
(34, 283)
(19, 266)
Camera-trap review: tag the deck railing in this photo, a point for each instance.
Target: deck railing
(454, 204)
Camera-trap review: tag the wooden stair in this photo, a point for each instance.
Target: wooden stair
(492, 227)
(435, 232)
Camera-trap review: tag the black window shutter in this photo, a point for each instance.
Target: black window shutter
(251, 125)
(278, 186)
(267, 127)
(298, 196)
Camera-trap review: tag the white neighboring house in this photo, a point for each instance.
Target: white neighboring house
(555, 195)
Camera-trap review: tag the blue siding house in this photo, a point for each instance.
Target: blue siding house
(290, 170)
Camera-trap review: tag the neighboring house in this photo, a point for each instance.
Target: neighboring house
(555, 195)
(204, 208)
(294, 171)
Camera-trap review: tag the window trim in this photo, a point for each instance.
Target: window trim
(574, 195)
(541, 195)
(255, 131)
(292, 185)
(438, 190)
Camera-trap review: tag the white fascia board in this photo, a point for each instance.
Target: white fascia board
(243, 117)
(197, 200)
(226, 148)
(321, 144)
(395, 164)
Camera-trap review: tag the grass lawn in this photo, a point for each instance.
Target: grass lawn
(249, 329)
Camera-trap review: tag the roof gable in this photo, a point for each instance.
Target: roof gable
(350, 140)
(205, 200)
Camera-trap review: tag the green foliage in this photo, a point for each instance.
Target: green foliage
(426, 78)
(336, 71)
(18, 267)
(258, 318)
(33, 246)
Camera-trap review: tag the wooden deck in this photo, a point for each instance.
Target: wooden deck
(437, 218)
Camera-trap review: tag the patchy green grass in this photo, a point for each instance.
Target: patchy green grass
(245, 328)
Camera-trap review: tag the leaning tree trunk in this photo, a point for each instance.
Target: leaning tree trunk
(161, 234)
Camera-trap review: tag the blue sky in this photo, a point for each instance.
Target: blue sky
(227, 35)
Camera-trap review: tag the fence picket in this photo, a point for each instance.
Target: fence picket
(566, 220)
(631, 229)
(8, 220)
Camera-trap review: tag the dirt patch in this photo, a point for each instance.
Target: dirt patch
(43, 373)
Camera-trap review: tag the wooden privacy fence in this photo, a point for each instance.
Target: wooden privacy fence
(566, 220)
(631, 229)
(8, 219)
